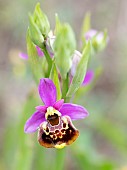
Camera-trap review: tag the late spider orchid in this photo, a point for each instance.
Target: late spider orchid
(54, 120)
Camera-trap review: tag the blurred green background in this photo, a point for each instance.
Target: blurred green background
(102, 144)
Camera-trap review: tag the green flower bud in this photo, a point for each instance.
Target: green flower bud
(64, 47)
(99, 39)
(41, 21)
(35, 33)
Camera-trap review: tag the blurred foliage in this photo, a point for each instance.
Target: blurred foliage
(102, 143)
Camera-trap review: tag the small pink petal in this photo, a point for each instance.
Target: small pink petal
(90, 34)
(88, 77)
(58, 104)
(39, 51)
(23, 56)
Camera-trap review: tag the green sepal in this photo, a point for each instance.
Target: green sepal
(34, 59)
(35, 34)
(64, 47)
(41, 20)
(55, 78)
(80, 72)
(86, 26)
(58, 24)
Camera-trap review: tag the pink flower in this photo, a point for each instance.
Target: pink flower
(54, 120)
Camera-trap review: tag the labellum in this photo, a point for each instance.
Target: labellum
(58, 131)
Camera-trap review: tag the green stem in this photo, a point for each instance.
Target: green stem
(67, 99)
(65, 87)
(49, 60)
(60, 159)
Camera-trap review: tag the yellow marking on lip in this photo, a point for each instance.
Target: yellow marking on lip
(44, 125)
(60, 146)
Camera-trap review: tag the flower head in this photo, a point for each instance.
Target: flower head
(54, 120)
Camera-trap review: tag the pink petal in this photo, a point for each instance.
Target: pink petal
(23, 56)
(90, 34)
(58, 104)
(39, 51)
(88, 77)
(73, 111)
(47, 91)
(34, 121)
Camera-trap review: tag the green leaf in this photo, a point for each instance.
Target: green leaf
(86, 25)
(58, 24)
(105, 39)
(34, 59)
(65, 86)
(80, 72)
(64, 47)
(41, 20)
(48, 59)
(111, 130)
(35, 33)
(55, 78)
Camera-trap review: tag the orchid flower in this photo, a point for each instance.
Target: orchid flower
(54, 120)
